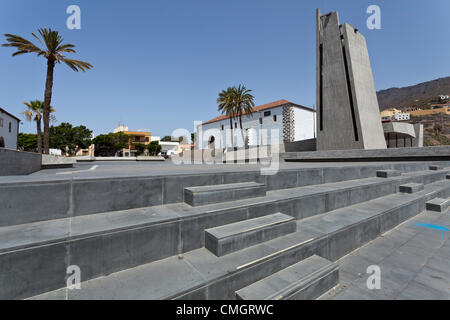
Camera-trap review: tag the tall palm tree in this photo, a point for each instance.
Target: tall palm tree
(226, 106)
(53, 50)
(34, 113)
(243, 103)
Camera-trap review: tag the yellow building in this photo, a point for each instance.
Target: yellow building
(390, 112)
(136, 137)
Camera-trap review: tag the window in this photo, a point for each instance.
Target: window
(137, 139)
(267, 113)
(1, 122)
(235, 125)
(274, 118)
(146, 139)
(222, 127)
(260, 121)
(10, 127)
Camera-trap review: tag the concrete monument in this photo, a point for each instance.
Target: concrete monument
(348, 115)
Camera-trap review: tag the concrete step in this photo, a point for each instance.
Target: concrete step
(105, 243)
(411, 187)
(203, 195)
(306, 280)
(202, 275)
(438, 204)
(388, 173)
(236, 236)
(89, 193)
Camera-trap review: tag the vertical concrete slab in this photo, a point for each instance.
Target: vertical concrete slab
(347, 106)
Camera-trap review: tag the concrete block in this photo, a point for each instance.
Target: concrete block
(388, 173)
(438, 204)
(14, 162)
(411, 187)
(305, 280)
(198, 196)
(26, 203)
(236, 236)
(94, 196)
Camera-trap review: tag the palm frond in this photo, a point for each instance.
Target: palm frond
(77, 64)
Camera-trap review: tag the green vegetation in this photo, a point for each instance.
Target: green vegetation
(53, 51)
(111, 143)
(140, 148)
(27, 141)
(70, 139)
(154, 148)
(34, 112)
(174, 139)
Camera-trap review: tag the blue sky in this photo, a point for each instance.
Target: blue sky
(159, 64)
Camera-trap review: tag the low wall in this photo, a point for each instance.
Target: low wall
(139, 158)
(14, 162)
(439, 153)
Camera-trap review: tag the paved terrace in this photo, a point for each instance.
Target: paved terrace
(140, 169)
(414, 263)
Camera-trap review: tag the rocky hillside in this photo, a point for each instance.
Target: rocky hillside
(417, 95)
(436, 129)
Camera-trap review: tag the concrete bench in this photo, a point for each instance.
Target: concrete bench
(411, 187)
(388, 173)
(236, 236)
(199, 196)
(438, 204)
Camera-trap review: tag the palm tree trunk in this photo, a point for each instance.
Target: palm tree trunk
(39, 136)
(231, 126)
(47, 101)
(242, 129)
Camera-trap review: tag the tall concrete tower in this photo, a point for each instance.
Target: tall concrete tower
(348, 115)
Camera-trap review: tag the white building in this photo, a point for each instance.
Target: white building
(167, 147)
(120, 128)
(276, 122)
(9, 129)
(402, 116)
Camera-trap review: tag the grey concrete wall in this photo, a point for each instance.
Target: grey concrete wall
(365, 98)
(439, 153)
(299, 146)
(14, 162)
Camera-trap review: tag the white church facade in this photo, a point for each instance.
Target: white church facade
(277, 122)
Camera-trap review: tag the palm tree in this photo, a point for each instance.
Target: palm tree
(53, 51)
(34, 113)
(243, 103)
(226, 106)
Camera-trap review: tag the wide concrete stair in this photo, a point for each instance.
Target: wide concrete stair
(178, 251)
(305, 280)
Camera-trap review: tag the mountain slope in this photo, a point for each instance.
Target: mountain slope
(417, 95)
